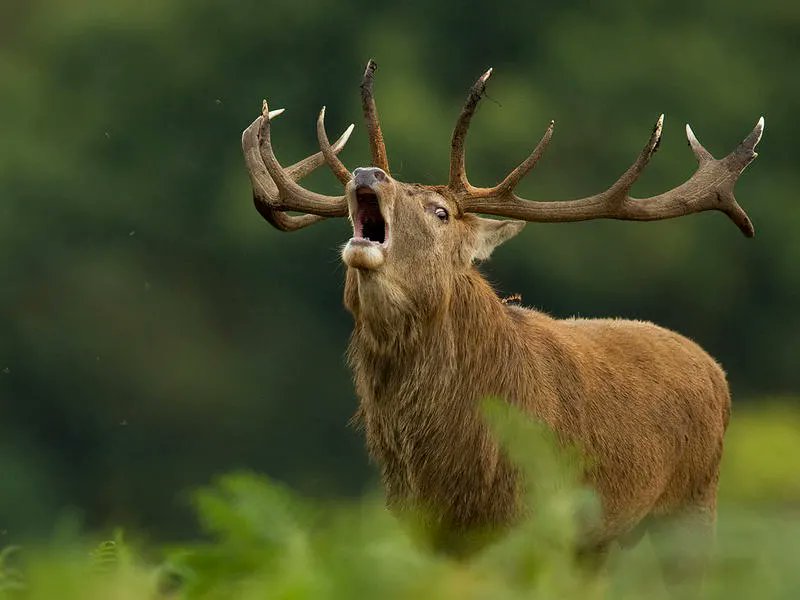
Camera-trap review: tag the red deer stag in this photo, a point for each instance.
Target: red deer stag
(432, 338)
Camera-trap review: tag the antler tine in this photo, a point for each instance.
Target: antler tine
(342, 173)
(618, 192)
(290, 195)
(376, 143)
(265, 192)
(303, 167)
(512, 179)
(709, 188)
(459, 182)
(701, 154)
(458, 172)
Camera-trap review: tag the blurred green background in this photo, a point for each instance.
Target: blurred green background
(157, 332)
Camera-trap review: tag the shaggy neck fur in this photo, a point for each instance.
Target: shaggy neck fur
(420, 376)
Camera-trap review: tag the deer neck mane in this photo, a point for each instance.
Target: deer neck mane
(418, 393)
(399, 339)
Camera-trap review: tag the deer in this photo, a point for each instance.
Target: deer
(432, 338)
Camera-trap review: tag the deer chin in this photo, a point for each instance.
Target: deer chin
(364, 254)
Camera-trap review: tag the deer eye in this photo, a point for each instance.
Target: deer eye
(441, 214)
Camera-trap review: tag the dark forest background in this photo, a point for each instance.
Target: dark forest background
(157, 332)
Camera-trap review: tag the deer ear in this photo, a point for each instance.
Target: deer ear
(491, 233)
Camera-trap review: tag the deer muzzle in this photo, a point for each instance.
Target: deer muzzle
(368, 177)
(368, 213)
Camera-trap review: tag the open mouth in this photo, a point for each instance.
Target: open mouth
(369, 223)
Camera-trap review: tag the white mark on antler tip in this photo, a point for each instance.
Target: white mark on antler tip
(339, 144)
(659, 126)
(655, 137)
(486, 75)
(756, 134)
(700, 153)
(345, 136)
(690, 135)
(752, 139)
(276, 112)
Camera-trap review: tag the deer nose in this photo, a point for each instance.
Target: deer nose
(368, 176)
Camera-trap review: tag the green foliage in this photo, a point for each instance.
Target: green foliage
(761, 463)
(153, 326)
(11, 579)
(77, 570)
(267, 542)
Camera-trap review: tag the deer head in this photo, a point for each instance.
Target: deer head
(407, 235)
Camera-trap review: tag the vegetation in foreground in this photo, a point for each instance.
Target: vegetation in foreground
(265, 542)
(153, 324)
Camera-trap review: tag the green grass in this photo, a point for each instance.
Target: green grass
(265, 542)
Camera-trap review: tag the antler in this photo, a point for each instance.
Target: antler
(710, 188)
(376, 144)
(275, 188)
(329, 152)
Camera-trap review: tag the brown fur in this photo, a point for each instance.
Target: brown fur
(432, 339)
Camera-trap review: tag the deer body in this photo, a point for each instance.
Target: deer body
(608, 385)
(432, 339)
